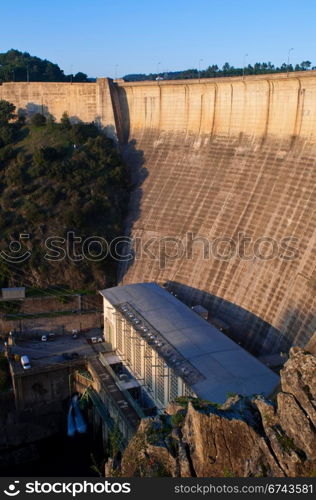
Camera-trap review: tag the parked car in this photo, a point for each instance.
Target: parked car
(44, 338)
(96, 340)
(25, 362)
(75, 334)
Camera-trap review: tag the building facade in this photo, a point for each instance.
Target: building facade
(172, 351)
(141, 355)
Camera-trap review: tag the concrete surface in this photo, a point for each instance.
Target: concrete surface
(51, 352)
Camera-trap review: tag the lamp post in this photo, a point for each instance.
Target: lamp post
(200, 60)
(288, 61)
(158, 64)
(243, 65)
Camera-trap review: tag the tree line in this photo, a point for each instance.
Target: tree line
(214, 70)
(19, 66)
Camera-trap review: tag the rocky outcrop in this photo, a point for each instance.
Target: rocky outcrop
(243, 437)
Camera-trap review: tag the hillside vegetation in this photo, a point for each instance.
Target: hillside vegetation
(19, 66)
(214, 70)
(58, 179)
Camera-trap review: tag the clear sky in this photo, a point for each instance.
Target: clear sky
(104, 38)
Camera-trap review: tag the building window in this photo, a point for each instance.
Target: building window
(109, 330)
(173, 386)
(188, 391)
(161, 381)
(128, 344)
(119, 338)
(138, 344)
(148, 367)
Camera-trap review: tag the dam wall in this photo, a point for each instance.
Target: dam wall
(214, 162)
(219, 159)
(84, 102)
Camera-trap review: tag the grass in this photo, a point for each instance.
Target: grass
(38, 137)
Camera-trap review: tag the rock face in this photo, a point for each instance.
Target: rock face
(244, 437)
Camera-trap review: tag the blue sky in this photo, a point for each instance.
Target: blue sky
(101, 37)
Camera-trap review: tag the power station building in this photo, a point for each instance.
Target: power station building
(171, 351)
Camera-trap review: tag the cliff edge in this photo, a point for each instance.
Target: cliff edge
(244, 437)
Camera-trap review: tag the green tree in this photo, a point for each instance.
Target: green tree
(38, 120)
(65, 121)
(80, 77)
(7, 110)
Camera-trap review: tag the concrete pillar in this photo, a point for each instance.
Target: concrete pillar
(104, 107)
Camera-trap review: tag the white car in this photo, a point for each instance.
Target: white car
(25, 362)
(44, 338)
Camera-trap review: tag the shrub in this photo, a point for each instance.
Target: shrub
(177, 419)
(7, 110)
(6, 135)
(38, 120)
(64, 121)
(80, 132)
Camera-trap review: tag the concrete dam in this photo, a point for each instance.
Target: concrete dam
(223, 211)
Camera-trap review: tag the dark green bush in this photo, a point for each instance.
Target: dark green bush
(38, 120)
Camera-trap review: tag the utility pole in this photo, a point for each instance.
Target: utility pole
(200, 60)
(158, 64)
(243, 65)
(27, 73)
(288, 61)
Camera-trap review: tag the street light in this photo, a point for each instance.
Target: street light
(243, 65)
(200, 60)
(288, 61)
(158, 64)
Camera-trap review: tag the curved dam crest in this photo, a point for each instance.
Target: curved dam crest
(213, 159)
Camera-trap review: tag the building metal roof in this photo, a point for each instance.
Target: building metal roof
(225, 366)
